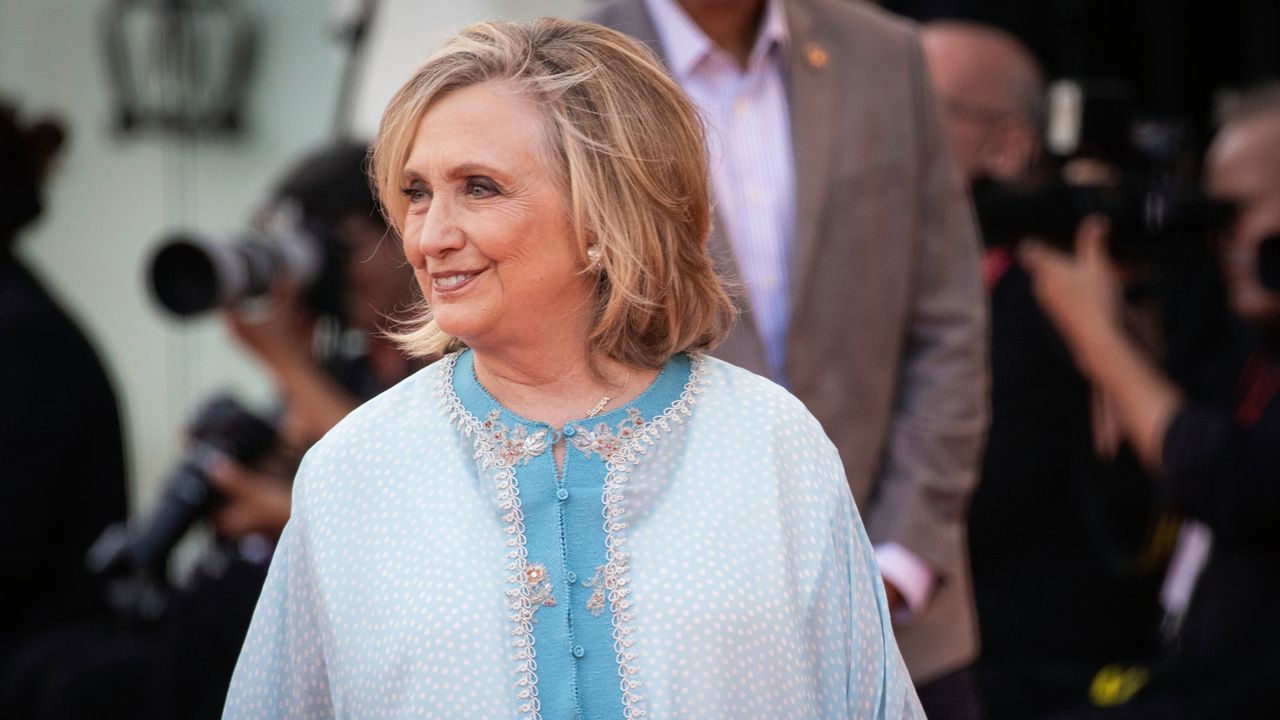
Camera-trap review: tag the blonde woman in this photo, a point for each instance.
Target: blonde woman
(576, 513)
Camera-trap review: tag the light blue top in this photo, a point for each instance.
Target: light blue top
(698, 557)
(565, 537)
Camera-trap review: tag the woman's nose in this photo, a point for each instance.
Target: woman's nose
(440, 231)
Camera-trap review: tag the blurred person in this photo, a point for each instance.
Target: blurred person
(208, 620)
(992, 93)
(843, 220)
(1214, 445)
(575, 513)
(1044, 632)
(62, 462)
(180, 665)
(331, 191)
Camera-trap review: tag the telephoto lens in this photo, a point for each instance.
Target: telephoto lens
(191, 273)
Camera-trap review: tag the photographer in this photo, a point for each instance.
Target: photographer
(331, 192)
(1051, 604)
(169, 653)
(1214, 445)
(207, 623)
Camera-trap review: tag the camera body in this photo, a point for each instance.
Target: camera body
(132, 558)
(1138, 172)
(1156, 211)
(1145, 216)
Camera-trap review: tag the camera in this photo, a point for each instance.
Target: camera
(1139, 179)
(133, 557)
(192, 273)
(1144, 217)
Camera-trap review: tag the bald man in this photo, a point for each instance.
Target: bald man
(992, 90)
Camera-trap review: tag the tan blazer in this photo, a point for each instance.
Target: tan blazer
(888, 341)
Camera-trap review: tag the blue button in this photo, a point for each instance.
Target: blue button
(570, 431)
(578, 651)
(562, 494)
(571, 576)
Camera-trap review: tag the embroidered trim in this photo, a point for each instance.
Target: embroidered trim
(602, 440)
(514, 447)
(617, 579)
(520, 596)
(620, 454)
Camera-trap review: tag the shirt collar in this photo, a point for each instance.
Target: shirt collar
(686, 45)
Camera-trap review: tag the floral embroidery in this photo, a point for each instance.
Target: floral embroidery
(513, 447)
(540, 587)
(595, 603)
(603, 440)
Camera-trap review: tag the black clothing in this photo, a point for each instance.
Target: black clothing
(1052, 532)
(62, 467)
(62, 477)
(953, 696)
(1221, 457)
(199, 642)
(1222, 466)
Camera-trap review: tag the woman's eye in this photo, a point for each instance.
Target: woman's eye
(480, 188)
(415, 194)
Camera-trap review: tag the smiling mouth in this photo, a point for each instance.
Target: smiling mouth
(452, 281)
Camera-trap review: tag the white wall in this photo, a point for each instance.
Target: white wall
(112, 197)
(408, 30)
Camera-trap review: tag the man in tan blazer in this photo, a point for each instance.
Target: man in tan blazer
(883, 333)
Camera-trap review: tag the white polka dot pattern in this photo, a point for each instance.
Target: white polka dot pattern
(753, 589)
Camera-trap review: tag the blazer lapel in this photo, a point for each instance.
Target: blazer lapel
(810, 95)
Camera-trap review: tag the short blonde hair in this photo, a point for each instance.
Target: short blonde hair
(627, 146)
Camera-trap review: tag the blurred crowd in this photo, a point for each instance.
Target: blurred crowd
(1121, 536)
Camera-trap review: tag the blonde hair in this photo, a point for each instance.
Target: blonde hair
(627, 146)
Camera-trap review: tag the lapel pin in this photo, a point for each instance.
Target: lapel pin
(816, 55)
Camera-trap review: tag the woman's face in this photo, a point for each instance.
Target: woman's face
(486, 231)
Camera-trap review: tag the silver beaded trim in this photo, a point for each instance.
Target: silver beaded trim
(617, 560)
(519, 594)
(618, 463)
